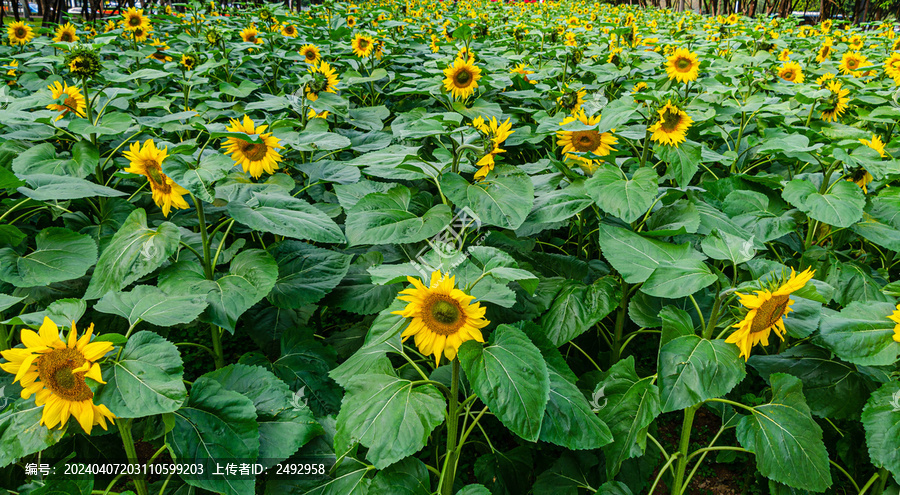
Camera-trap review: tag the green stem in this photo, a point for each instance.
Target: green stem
(683, 445)
(449, 473)
(699, 313)
(713, 318)
(662, 471)
(644, 150)
(4, 338)
(201, 216)
(216, 334)
(811, 109)
(882, 481)
(140, 484)
(620, 327)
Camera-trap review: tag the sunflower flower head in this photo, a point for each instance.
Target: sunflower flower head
(836, 104)
(147, 160)
(494, 134)
(83, 62)
(65, 33)
(443, 317)
(671, 128)
(310, 54)
(19, 33)
(683, 66)
(580, 145)
(875, 143)
(134, 19)
(765, 312)
(254, 157)
(895, 317)
(362, 45)
(55, 372)
(791, 72)
(324, 80)
(571, 99)
(461, 79)
(72, 99)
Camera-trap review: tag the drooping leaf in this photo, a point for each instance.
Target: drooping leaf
(861, 333)
(150, 304)
(21, 433)
(306, 273)
(578, 306)
(636, 257)
(284, 215)
(59, 255)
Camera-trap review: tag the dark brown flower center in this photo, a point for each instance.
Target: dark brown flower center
(463, 78)
(363, 44)
(670, 120)
(852, 63)
(55, 370)
(21, 32)
(310, 55)
(683, 64)
(789, 75)
(66, 36)
(134, 21)
(254, 151)
(443, 314)
(585, 140)
(769, 313)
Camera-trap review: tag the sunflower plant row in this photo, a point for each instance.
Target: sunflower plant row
(449, 247)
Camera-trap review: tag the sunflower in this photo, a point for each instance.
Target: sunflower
(784, 55)
(824, 78)
(672, 125)
(862, 178)
(140, 34)
(637, 88)
(56, 371)
(313, 115)
(255, 158)
(160, 53)
(147, 160)
(65, 33)
(12, 72)
(895, 317)
(434, 46)
(767, 310)
(461, 79)
(575, 143)
(310, 54)
(351, 21)
(362, 45)
(571, 100)
(133, 19)
(324, 81)
(110, 25)
(791, 72)
(466, 54)
(876, 144)
(495, 134)
(83, 62)
(523, 70)
(836, 104)
(826, 25)
(824, 51)
(251, 35)
(73, 102)
(851, 62)
(683, 66)
(189, 61)
(289, 31)
(19, 33)
(892, 66)
(443, 317)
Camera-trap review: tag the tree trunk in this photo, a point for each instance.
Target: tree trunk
(15, 8)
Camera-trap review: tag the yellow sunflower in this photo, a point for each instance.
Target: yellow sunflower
(791, 72)
(147, 160)
(189, 61)
(571, 100)
(133, 19)
(289, 31)
(892, 67)
(836, 104)
(255, 158)
(861, 177)
(19, 33)
(362, 45)
(824, 51)
(683, 66)
(55, 371)
(160, 53)
(12, 72)
(312, 114)
(587, 141)
(65, 33)
(876, 144)
(852, 62)
(767, 310)
(310, 54)
(461, 79)
(672, 125)
(443, 317)
(523, 70)
(251, 35)
(495, 134)
(324, 80)
(110, 25)
(785, 55)
(351, 21)
(895, 317)
(140, 34)
(74, 100)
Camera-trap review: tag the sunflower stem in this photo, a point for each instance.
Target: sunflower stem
(140, 484)
(449, 471)
(4, 338)
(713, 318)
(683, 446)
(620, 327)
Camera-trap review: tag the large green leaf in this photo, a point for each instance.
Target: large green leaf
(501, 472)
(824, 379)
(503, 199)
(198, 178)
(578, 306)
(636, 257)
(620, 196)
(560, 204)
(146, 378)
(881, 420)
(785, 438)
(284, 215)
(22, 434)
(677, 279)
(841, 206)
(251, 276)
(306, 273)
(135, 251)
(285, 421)
(724, 246)
(407, 477)
(215, 423)
(375, 404)
(150, 304)
(59, 255)
(628, 405)
(385, 218)
(383, 337)
(861, 333)
(682, 162)
(46, 187)
(693, 369)
(511, 377)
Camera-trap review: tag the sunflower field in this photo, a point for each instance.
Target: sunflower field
(470, 247)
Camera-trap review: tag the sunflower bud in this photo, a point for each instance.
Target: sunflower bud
(83, 62)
